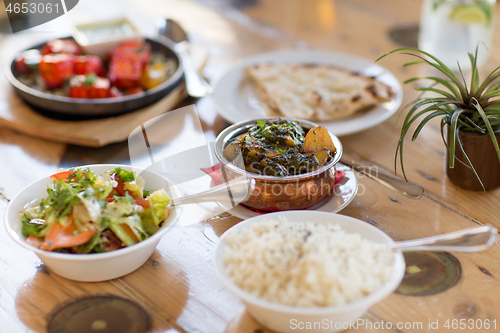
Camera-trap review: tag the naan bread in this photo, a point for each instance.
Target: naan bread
(316, 92)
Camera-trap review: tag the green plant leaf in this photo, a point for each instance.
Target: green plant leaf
(446, 71)
(494, 122)
(491, 109)
(475, 127)
(438, 91)
(488, 126)
(492, 88)
(492, 103)
(453, 135)
(467, 92)
(469, 163)
(445, 121)
(399, 149)
(488, 95)
(439, 65)
(474, 81)
(412, 63)
(414, 116)
(413, 79)
(406, 126)
(414, 109)
(489, 79)
(425, 121)
(447, 84)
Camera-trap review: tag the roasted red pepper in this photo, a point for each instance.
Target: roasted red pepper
(28, 61)
(55, 68)
(89, 86)
(139, 48)
(88, 65)
(61, 46)
(125, 71)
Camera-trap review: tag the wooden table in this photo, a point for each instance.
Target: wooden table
(176, 287)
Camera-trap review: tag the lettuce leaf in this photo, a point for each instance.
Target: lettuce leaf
(29, 228)
(159, 200)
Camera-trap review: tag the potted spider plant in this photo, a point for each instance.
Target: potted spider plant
(470, 120)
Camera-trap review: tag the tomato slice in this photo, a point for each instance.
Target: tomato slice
(64, 175)
(60, 236)
(141, 201)
(120, 189)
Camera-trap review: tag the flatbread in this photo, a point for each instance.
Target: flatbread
(316, 92)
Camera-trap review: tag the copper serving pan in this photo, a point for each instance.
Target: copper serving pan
(273, 193)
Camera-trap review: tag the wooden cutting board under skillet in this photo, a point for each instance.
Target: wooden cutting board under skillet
(16, 114)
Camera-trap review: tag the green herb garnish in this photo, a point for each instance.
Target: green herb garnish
(89, 80)
(124, 175)
(29, 228)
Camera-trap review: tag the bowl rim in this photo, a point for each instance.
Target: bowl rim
(92, 256)
(387, 288)
(229, 133)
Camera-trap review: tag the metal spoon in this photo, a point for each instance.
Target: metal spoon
(196, 86)
(411, 190)
(467, 240)
(235, 191)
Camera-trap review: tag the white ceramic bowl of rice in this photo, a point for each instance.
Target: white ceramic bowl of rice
(307, 271)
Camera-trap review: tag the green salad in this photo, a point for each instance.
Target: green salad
(89, 213)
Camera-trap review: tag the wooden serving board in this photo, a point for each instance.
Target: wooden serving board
(16, 114)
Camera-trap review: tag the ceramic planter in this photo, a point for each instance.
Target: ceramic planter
(481, 152)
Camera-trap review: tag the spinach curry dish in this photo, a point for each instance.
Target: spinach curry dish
(279, 147)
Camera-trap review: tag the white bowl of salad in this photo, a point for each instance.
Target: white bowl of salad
(95, 222)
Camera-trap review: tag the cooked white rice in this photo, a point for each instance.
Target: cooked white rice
(305, 264)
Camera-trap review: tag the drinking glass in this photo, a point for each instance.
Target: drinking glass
(450, 29)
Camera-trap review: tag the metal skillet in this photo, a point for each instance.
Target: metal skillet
(102, 107)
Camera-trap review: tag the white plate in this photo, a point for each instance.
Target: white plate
(236, 98)
(343, 194)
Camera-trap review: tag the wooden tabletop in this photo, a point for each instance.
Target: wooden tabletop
(176, 286)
